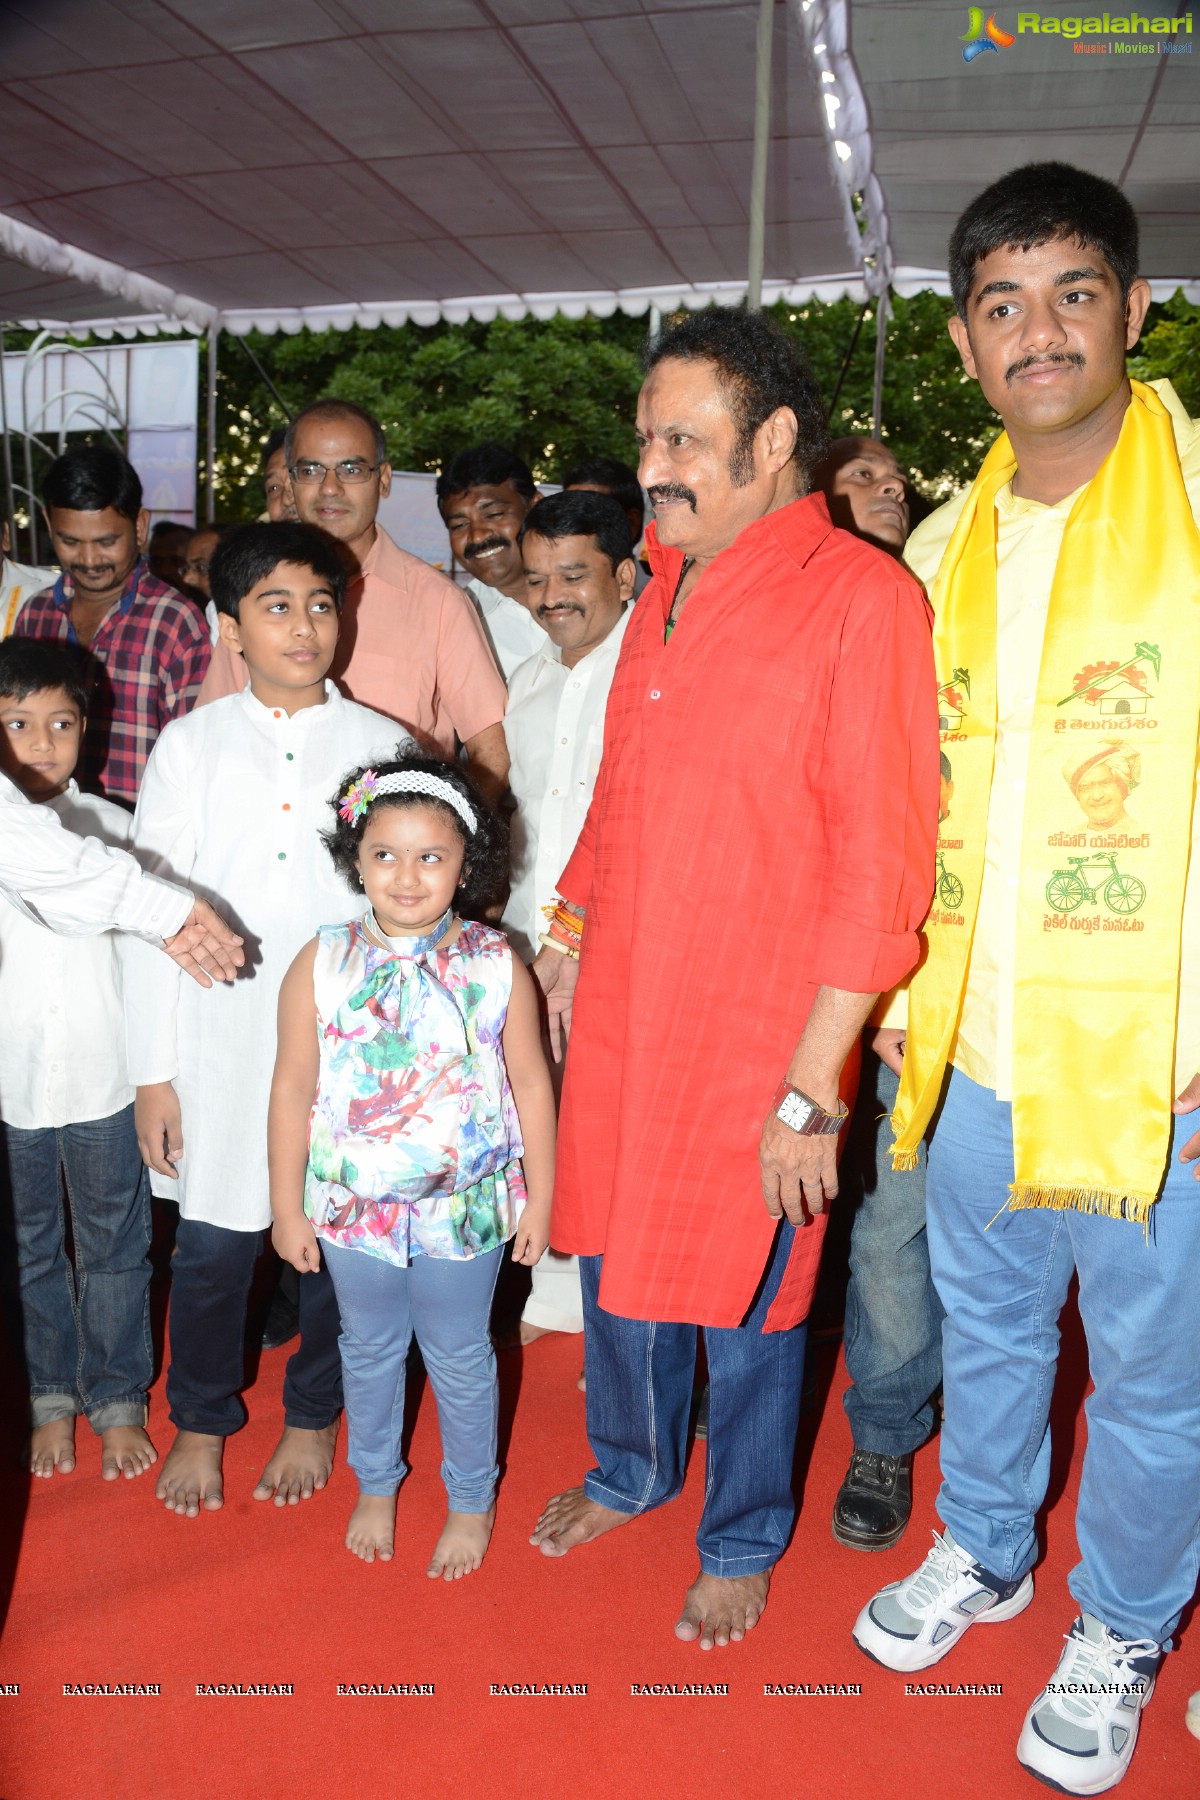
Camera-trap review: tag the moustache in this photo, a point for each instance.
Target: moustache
(484, 545)
(558, 607)
(672, 490)
(1039, 362)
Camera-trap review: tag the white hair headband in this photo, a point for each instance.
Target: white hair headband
(370, 786)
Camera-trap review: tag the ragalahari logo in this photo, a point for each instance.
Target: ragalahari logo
(979, 37)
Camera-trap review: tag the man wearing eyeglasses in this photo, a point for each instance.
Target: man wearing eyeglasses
(411, 644)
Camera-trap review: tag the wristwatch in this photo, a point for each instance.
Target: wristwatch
(800, 1112)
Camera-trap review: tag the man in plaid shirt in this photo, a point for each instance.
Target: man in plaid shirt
(143, 646)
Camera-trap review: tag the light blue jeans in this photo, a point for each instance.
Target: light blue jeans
(1138, 1515)
(446, 1305)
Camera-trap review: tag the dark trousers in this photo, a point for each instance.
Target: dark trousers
(639, 1390)
(211, 1273)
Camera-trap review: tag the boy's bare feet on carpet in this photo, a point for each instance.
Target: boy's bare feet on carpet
(529, 1334)
(570, 1519)
(721, 1609)
(462, 1545)
(125, 1450)
(371, 1532)
(191, 1475)
(52, 1448)
(300, 1465)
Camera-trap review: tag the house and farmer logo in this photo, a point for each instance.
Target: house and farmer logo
(1114, 34)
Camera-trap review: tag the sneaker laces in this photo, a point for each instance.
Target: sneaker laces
(938, 1573)
(1100, 1664)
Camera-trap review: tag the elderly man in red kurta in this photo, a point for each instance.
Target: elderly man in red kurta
(757, 859)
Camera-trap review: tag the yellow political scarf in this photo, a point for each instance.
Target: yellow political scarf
(1106, 830)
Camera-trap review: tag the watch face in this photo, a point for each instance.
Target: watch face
(795, 1111)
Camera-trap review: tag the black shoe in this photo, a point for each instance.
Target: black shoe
(874, 1502)
(282, 1322)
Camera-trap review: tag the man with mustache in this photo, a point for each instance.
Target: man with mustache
(579, 574)
(483, 495)
(1059, 1067)
(753, 869)
(143, 646)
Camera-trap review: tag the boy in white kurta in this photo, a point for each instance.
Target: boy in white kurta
(233, 802)
(82, 1321)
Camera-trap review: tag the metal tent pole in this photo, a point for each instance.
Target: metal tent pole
(210, 458)
(882, 310)
(762, 145)
(10, 510)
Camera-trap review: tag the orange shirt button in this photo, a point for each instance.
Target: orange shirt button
(287, 806)
(277, 714)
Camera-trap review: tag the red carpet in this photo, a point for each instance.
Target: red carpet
(110, 1588)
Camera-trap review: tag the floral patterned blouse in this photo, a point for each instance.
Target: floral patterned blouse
(414, 1141)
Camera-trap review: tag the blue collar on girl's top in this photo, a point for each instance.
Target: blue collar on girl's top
(410, 946)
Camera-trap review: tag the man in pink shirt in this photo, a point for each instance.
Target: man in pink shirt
(411, 643)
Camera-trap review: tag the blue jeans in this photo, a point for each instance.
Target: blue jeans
(446, 1305)
(1138, 1514)
(84, 1332)
(211, 1273)
(639, 1391)
(893, 1330)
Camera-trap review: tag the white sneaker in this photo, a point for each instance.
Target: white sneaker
(913, 1623)
(1080, 1732)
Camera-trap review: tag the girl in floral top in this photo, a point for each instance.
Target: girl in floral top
(409, 1088)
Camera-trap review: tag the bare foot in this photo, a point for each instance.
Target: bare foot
(571, 1519)
(581, 1384)
(125, 1450)
(191, 1475)
(722, 1609)
(300, 1465)
(531, 1333)
(462, 1545)
(371, 1532)
(52, 1448)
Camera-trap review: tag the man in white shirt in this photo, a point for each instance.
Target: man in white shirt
(17, 582)
(483, 495)
(580, 572)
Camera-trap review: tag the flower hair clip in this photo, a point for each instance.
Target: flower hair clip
(358, 797)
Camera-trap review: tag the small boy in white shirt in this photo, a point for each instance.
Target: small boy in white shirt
(67, 1109)
(232, 803)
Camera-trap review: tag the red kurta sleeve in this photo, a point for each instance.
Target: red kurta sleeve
(882, 782)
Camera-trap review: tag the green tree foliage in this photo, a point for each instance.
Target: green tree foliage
(555, 390)
(562, 388)
(1170, 350)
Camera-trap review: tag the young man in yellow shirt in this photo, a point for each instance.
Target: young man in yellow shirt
(1056, 1016)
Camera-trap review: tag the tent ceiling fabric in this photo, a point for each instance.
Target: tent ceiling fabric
(336, 161)
(933, 130)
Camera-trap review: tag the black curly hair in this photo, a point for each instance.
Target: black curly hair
(485, 862)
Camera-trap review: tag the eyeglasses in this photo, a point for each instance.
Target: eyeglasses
(345, 473)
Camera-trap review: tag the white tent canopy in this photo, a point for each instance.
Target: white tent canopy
(255, 165)
(189, 164)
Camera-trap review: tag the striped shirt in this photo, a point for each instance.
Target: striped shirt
(143, 668)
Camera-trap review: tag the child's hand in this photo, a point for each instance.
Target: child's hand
(159, 1127)
(532, 1234)
(296, 1242)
